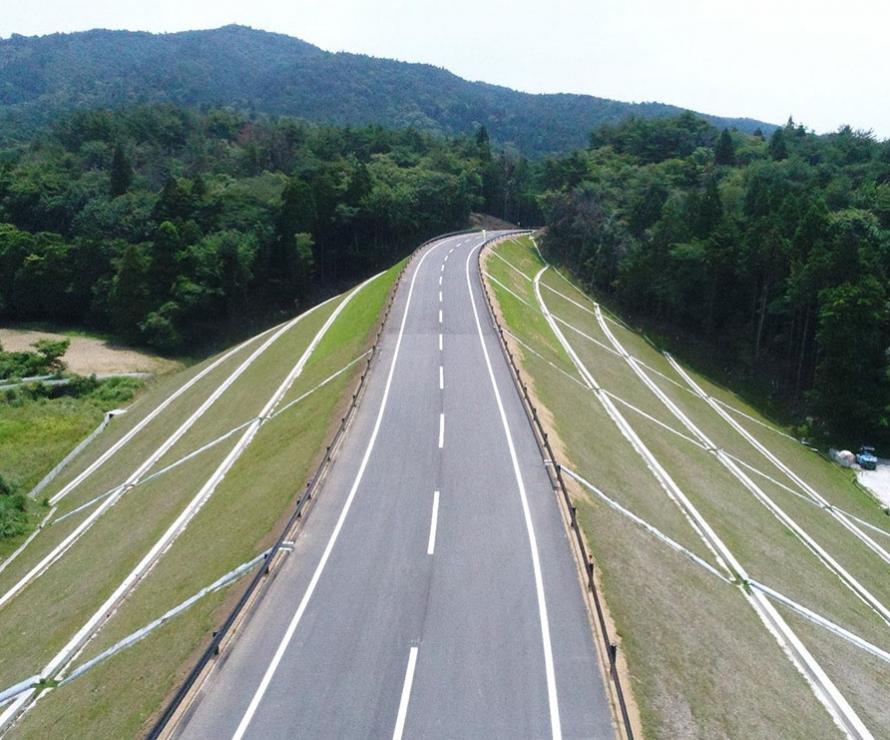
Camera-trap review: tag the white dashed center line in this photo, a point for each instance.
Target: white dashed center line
(441, 378)
(440, 296)
(441, 430)
(440, 315)
(431, 545)
(440, 343)
(406, 695)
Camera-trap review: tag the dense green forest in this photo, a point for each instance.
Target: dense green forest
(166, 226)
(259, 72)
(768, 258)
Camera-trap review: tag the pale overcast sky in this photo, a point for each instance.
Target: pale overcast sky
(824, 62)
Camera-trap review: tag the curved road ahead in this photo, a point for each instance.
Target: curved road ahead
(432, 592)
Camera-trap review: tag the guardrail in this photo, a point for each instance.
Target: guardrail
(554, 470)
(171, 714)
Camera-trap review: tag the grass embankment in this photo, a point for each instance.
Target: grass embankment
(36, 432)
(699, 657)
(117, 698)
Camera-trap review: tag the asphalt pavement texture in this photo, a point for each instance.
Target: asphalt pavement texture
(383, 624)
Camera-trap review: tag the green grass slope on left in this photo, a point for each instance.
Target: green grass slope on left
(120, 696)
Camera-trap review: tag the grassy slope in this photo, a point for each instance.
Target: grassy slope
(679, 624)
(116, 699)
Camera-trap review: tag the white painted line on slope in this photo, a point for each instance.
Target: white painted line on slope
(69, 541)
(510, 265)
(441, 430)
(441, 378)
(431, 544)
(809, 490)
(110, 452)
(56, 667)
(399, 729)
(553, 701)
(836, 704)
(319, 569)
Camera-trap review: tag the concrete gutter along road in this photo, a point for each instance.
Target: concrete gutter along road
(432, 592)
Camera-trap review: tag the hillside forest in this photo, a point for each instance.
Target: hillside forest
(764, 258)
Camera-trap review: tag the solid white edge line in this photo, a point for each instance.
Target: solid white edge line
(555, 723)
(431, 544)
(441, 430)
(298, 615)
(399, 729)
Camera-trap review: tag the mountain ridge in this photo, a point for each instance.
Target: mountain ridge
(42, 77)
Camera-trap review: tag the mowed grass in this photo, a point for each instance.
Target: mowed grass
(240, 520)
(700, 657)
(124, 462)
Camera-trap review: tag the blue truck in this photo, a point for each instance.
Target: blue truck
(866, 458)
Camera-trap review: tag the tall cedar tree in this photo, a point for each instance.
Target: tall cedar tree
(724, 154)
(121, 172)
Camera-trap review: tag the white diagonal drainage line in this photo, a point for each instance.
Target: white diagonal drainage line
(212, 443)
(847, 578)
(673, 544)
(22, 686)
(142, 633)
(772, 428)
(322, 384)
(509, 290)
(809, 490)
(651, 418)
(683, 387)
(822, 686)
(818, 619)
(537, 354)
(106, 610)
(510, 265)
(149, 417)
(805, 612)
(59, 550)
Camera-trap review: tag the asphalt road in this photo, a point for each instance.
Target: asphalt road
(432, 592)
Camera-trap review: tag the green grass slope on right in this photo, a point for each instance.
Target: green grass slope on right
(699, 657)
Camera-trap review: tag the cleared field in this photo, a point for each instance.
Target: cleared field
(87, 355)
(313, 365)
(702, 662)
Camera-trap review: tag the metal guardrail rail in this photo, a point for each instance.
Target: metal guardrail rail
(555, 472)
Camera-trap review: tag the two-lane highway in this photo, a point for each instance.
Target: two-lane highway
(432, 593)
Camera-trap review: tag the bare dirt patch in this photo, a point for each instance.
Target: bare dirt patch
(87, 355)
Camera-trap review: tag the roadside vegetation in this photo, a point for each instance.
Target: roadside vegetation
(698, 656)
(767, 260)
(183, 230)
(40, 422)
(236, 523)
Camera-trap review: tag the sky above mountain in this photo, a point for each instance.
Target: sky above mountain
(823, 63)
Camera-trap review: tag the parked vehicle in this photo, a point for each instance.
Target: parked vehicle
(866, 458)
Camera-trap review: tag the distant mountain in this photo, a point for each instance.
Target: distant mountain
(41, 77)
